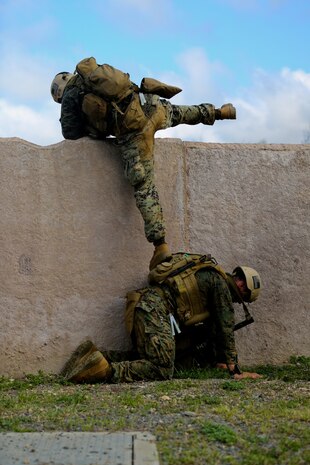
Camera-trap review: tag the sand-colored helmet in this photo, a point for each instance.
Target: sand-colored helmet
(252, 279)
(58, 85)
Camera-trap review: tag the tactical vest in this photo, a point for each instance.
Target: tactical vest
(179, 276)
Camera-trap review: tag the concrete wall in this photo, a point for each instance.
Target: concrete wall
(72, 242)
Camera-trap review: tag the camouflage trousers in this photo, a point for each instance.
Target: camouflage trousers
(136, 144)
(154, 343)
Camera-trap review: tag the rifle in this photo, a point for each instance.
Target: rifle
(244, 323)
(248, 319)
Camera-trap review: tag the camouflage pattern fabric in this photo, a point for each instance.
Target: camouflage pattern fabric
(140, 174)
(192, 114)
(137, 151)
(217, 298)
(134, 127)
(157, 351)
(154, 343)
(73, 123)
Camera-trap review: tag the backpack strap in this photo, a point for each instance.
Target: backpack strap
(186, 283)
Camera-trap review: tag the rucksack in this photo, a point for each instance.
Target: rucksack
(179, 275)
(104, 80)
(105, 85)
(114, 85)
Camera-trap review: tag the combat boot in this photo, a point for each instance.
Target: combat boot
(161, 253)
(81, 352)
(226, 111)
(93, 368)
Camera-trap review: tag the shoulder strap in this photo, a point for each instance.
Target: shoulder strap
(181, 262)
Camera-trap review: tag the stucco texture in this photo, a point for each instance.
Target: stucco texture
(72, 241)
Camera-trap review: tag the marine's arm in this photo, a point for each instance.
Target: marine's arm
(225, 321)
(220, 302)
(72, 119)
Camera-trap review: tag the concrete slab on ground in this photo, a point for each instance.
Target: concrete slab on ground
(77, 448)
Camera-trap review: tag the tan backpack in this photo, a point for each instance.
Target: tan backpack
(114, 85)
(179, 275)
(104, 80)
(104, 85)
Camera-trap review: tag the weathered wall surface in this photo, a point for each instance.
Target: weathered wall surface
(72, 242)
(249, 204)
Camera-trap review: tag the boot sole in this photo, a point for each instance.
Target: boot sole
(96, 368)
(81, 352)
(230, 111)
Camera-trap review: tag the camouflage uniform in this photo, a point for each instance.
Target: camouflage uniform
(153, 342)
(156, 346)
(134, 127)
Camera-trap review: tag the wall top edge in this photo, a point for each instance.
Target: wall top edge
(169, 140)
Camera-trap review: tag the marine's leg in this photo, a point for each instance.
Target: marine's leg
(224, 321)
(154, 343)
(147, 201)
(137, 154)
(193, 114)
(204, 113)
(119, 355)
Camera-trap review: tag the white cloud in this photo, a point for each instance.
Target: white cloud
(274, 109)
(201, 73)
(37, 126)
(27, 110)
(25, 78)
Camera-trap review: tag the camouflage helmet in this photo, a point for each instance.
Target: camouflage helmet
(252, 279)
(58, 85)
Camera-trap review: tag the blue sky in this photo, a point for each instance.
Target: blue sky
(253, 53)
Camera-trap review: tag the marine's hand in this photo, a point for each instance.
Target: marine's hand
(221, 366)
(238, 376)
(247, 374)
